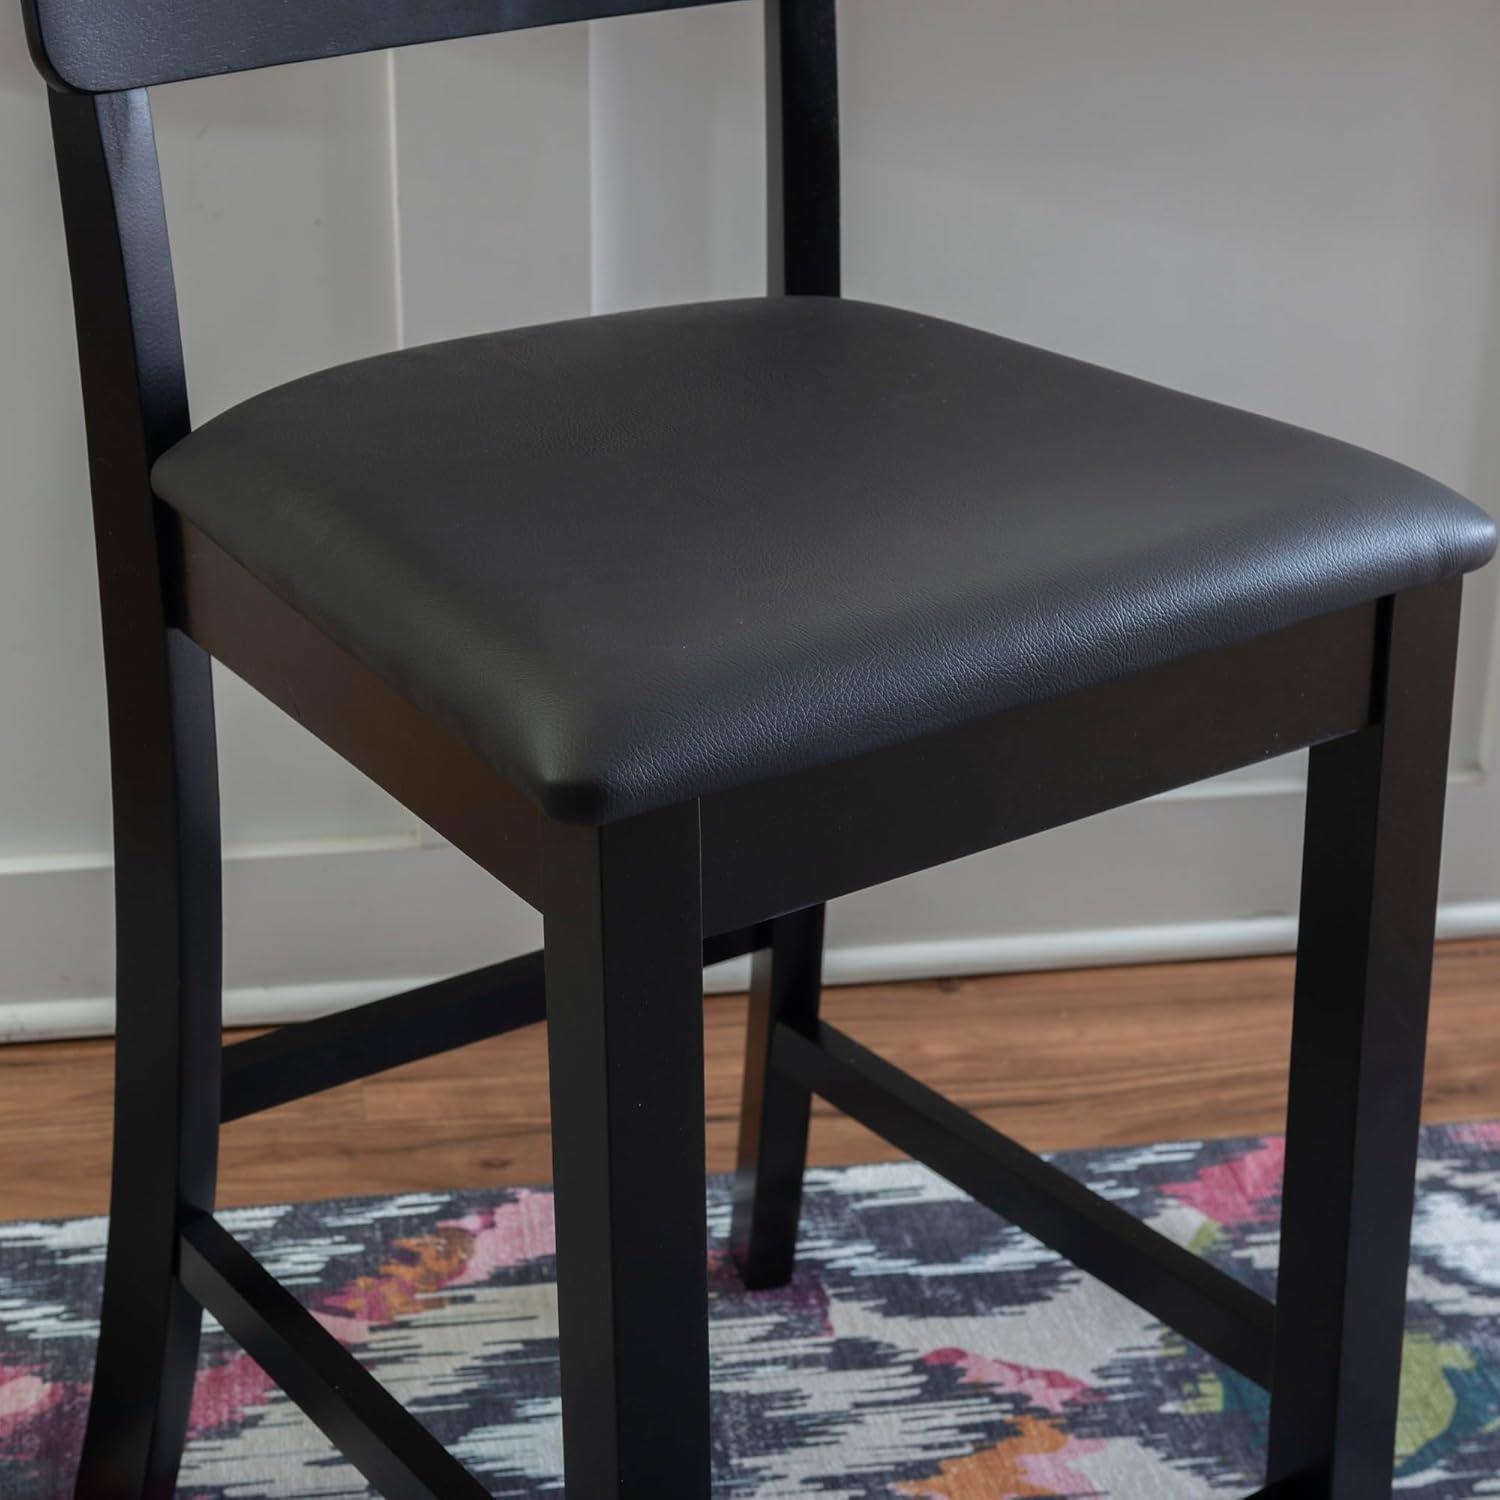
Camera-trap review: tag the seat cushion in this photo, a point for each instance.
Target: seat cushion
(631, 560)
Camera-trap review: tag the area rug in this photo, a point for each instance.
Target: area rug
(925, 1348)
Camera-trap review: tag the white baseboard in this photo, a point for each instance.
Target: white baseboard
(1171, 942)
(53, 1019)
(56, 1019)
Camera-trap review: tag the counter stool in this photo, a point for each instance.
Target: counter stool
(680, 623)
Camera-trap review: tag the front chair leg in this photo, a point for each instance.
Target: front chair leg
(166, 1071)
(625, 1043)
(785, 988)
(1369, 898)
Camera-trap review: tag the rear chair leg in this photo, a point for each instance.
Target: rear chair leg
(166, 1071)
(625, 1040)
(785, 986)
(1369, 899)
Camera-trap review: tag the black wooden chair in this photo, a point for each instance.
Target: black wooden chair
(680, 623)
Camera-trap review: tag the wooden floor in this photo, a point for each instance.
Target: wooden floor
(1081, 1058)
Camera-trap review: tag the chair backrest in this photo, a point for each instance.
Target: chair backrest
(100, 56)
(102, 46)
(108, 47)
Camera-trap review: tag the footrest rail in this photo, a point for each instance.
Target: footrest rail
(388, 1445)
(310, 1056)
(1221, 1315)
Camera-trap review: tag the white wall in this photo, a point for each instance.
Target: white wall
(1289, 204)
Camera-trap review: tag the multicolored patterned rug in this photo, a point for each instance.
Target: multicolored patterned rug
(925, 1349)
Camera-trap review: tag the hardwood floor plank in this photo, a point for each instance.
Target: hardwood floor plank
(1069, 1059)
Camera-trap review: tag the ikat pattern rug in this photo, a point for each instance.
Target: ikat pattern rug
(925, 1348)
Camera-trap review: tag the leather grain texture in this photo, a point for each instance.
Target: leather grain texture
(633, 560)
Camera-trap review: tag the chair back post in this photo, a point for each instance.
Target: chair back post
(161, 726)
(135, 401)
(802, 148)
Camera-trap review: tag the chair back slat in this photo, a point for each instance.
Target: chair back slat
(104, 46)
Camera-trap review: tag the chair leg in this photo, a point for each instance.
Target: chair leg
(625, 1043)
(786, 985)
(166, 1071)
(1369, 898)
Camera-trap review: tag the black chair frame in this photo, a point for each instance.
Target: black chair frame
(633, 909)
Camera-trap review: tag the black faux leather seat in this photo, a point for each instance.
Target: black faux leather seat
(634, 559)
